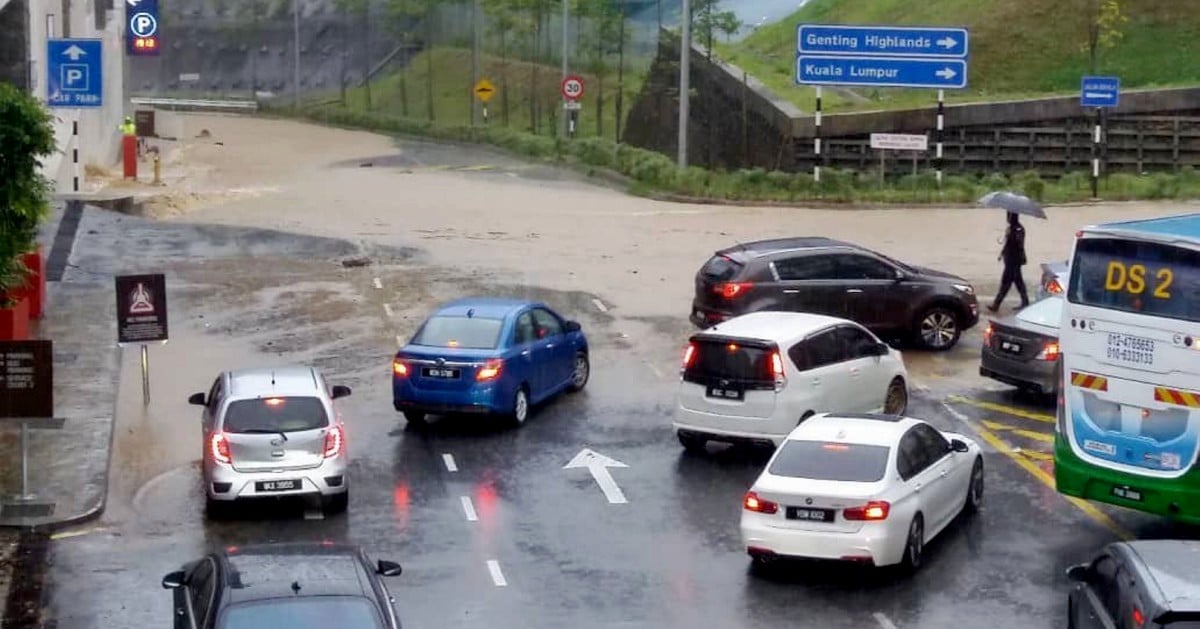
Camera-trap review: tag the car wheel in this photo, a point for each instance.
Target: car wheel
(914, 548)
(581, 372)
(416, 418)
(938, 329)
(975, 488)
(692, 443)
(520, 408)
(336, 503)
(896, 400)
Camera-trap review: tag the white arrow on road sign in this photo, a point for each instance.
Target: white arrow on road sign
(74, 52)
(133, 3)
(947, 42)
(946, 73)
(598, 465)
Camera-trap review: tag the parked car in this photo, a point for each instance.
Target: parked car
(487, 355)
(1054, 279)
(1021, 349)
(270, 433)
(839, 279)
(754, 377)
(1142, 583)
(862, 488)
(298, 586)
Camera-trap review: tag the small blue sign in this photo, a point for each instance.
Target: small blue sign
(882, 41)
(948, 74)
(75, 72)
(1100, 91)
(141, 27)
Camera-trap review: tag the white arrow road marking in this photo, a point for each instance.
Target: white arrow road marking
(75, 52)
(469, 509)
(946, 73)
(883, 621)
(947, 42)
(598, 465)
(599, 305)
(378, 284)
(497, 576)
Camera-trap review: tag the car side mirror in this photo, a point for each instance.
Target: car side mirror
(958, 445)
(174, 580)
(197, 399)
(572, 326)
(389, 568)
(900, 275)
(881, 349)
(1081, 573)
(340, 390)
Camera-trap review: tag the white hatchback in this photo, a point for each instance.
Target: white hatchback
(861, 487)
(755, 377)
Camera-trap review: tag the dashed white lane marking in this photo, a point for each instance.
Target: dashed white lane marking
(468, 509)
(399, 341)
(883, 621)
(388, 309)
(497, 576)
(448, 459)
(657, 372)
(600, 305)
(378, 284)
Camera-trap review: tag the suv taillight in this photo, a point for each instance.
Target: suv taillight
(730, 290)
(335, 442)
(777, 370)
(219, 448)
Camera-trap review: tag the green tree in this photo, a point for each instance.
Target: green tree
(728, 23)
(1104, 22)
(26, 136)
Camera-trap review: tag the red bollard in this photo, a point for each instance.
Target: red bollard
(129, 155)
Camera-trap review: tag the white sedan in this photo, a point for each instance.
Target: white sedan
(860, 487)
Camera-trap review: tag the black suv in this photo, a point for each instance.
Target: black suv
(840, 279)
(299, 586)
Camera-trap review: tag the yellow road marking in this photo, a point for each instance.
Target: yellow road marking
(1044, 437)
(1037, 455)
(480, 167)
(77, 532)
(1040, 474)
(1001, 408)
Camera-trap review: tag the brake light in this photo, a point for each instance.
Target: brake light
(1053, 287)
(729, 290)
(987, 335)
(335, 442)
(399, 368)
(753, 503)
(689, 355)
(1049, 352)
(273, 401)
(1138, 618)
(777, 371)
(219, 448)
(490, 370)
(874, 510)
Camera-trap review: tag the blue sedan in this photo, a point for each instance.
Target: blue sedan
(487, 355)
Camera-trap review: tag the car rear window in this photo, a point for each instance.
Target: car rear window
(721, 268)
(729, 360)
(275, 414)
(314, 612)
(464, 332)
(822, 460)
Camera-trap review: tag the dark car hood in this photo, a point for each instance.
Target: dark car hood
(934, 273)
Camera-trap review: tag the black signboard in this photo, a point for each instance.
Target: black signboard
(141, 308)
(26, 379)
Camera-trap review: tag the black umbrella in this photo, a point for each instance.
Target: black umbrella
(1012, 202)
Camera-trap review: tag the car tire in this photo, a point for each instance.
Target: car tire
(692, 443)
(914, 547)
(520, 407)
(938, 329)
(416, 418)
(895, 401)
(975, 487)
(580, 373)
(336, 503)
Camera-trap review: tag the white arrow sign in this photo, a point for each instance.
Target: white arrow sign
(598, 465)
(74, 52)
(945, 42)
(133, 3)
(946, 73)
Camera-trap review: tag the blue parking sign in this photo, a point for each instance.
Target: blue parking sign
(75, 73)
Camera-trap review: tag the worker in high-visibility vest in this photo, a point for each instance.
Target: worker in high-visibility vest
(128, 128)
(130, 151)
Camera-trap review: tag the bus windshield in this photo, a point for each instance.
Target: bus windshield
(1136, 276)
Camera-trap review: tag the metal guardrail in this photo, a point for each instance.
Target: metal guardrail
(188, 103)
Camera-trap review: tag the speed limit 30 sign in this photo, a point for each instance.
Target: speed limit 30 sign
(572, 87)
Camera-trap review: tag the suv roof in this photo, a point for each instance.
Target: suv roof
(254, 573)
(290, 380)
(1166, 562)
(863, 428)
(768, 247)
(780, 327)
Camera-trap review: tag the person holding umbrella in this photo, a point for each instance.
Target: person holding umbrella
(1013, 251)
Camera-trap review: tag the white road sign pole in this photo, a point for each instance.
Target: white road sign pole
(685, 57)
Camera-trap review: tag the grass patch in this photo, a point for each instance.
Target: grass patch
(1019, 48)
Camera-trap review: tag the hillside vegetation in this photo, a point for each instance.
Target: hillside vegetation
(1019, 48)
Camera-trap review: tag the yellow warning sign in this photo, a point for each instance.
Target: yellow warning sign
(484, 90)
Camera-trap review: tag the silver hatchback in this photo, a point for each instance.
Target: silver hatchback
(270, 433)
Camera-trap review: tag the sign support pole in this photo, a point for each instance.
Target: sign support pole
(75, 151)
(25, 495)
(1096, 157)
(941, 123)
(685, 76)
(145, 375)
(817, 140)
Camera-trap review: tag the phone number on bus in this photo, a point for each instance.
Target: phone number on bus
(1131, 349)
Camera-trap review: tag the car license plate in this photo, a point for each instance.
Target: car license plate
(811, 515)
(440, 372)
(1130, 349)
(276, 485)
(726, 393)
(1127, 493)
(1009, 346)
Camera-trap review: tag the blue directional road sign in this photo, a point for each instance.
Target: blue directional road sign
(141, 27)
(881, 71)
(74, 72)
(882, 41)
(1100, 91)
